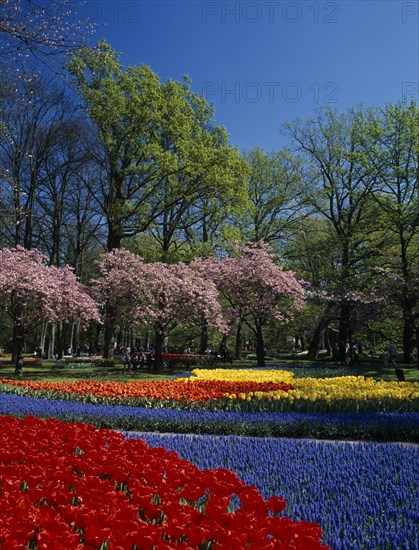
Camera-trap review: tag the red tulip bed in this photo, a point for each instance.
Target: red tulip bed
(199, 391)
(73, 486)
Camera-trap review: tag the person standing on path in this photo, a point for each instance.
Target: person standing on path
(392, 353)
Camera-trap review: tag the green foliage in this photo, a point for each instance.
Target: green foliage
(162, 152)
(273, 207)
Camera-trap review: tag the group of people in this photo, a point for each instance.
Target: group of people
(347, 353)
(225, 354)
(222, 353)
(133, 359)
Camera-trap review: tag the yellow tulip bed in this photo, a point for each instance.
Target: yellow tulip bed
(244, 375)
(354, 393)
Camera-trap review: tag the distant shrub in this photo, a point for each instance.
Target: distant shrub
(27, 360)
(84, 362)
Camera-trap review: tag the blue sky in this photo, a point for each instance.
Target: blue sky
(263, 63)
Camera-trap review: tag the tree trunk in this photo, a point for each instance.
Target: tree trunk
(66, 337)
(165, 258)
(14, 345)
(51, 340)
(98, 329)
(408, 302)
(345, 323)
(328, 344)
(29, 208)
(120, 338)
(114, 238)
(18, 343)
(71, 338)
(260, 347)
(17, 212)
(203, 344)
(408, 332)
(113, 242)
(42, 341)
(318, 337)
(158, 359)
(76, 338)
(109, 325)
(238, 339)
(59, 340)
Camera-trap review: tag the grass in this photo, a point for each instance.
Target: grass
(49, 372)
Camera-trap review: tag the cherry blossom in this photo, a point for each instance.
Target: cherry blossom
(255, 289)
(32, 292)
(157, 294)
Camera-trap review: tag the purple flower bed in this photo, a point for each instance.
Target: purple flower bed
(364, 495)
(398, 426)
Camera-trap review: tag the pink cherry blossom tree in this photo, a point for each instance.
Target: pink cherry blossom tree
(157, 294)
(32, 292)
(176, 293)
(120, 291)
(254, 288)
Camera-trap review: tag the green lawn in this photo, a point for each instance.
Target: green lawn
(49, 372)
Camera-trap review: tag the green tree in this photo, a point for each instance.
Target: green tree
(210, 171)
(391, 149)
(155, 146)
(273, 210)
(336, 188)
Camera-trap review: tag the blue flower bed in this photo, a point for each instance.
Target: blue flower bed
(364, 495)
(379, 426)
